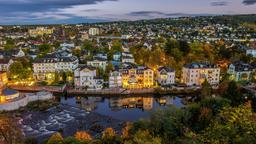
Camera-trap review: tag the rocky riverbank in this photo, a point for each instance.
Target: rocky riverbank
(67, 120)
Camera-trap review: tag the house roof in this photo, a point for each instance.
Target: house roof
(167, 69)
(240, 66)
(81, 67)
(200, 65)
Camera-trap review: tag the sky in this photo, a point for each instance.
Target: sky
(88, 11)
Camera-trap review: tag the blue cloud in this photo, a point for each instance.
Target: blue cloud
(220, 3)
(249, 2)
(29, 11)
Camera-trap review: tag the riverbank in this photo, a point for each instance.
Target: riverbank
(67, 120)
(23, 99)
(56, 89)
(125, 92)
(110, 91)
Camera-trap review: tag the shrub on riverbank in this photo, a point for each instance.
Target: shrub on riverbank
(41, 105)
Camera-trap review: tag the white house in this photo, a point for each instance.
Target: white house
(127, 57)
(66, 46)
(5, 64)
(240, 71)
(115, 79)
(197, 73)
(94, 31)
(45, 68)
(98, 63)
(85, 77)
(165, 76)
(20, 53)
(251, 52)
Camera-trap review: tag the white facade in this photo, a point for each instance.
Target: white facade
(94, 31)
(44, 66)
(251, 52)
(197, 73)
(124, 57)
(85, 78)
(98, 64)
(128, 60)
(240, 71)
(2, 42)
(5, 64)
(165, 76)
(21, 53)
(115, 79)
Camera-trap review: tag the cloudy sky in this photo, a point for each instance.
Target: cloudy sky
(77, 11)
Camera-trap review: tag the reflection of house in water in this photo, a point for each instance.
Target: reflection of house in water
(145, 103)
(166, 100)
(88, 103)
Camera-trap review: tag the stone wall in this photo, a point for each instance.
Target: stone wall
(24, 100)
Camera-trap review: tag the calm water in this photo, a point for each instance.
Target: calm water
(123, 108)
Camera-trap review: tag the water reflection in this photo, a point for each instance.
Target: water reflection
(124, 108)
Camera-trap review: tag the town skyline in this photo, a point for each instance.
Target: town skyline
(22, 12)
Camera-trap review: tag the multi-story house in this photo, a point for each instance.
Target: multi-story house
(94, 31)
(123, 57)
(2, 42)
(197, 73)
(115, 79)
(98, 63)
(5, 64)
(240, 71)
(45, 68)
(40, 31)
(137, 77)
(3, 79)
(117, 56)
(251, 52)
(85, 77)
(127, 57)
(165, 76)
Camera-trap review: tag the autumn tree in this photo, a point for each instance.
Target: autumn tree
(55, 138)
(116, 45)
(18, 71)
(83, 136)
(108, 135)
(206, 90)
(9, 130)
(143, 137)
(126, 130)
(233, 93)
(87, 45)
(44, 48)
(232, 125)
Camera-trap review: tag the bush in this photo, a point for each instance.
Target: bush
(30, 140)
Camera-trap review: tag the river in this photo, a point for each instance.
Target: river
(91, 114)
(127, 108)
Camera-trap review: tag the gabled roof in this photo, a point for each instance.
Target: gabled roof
(167, 69)
(200, 65)
(240, 66)
(45, 60)
(82, 67)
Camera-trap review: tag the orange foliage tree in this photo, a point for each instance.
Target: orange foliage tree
(83, 136)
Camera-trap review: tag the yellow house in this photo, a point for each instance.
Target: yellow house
(139, 77)
(40, 31)
(3, 79)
